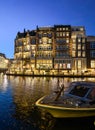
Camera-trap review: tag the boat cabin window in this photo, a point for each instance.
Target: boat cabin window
(79, 90)
(91, 95)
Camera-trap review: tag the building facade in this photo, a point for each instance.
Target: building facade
(4, 63)
(60, 49)
(91, 54)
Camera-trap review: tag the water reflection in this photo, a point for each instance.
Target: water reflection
(3, 83)
(19, 100)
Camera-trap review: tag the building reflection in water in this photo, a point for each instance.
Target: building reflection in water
(3, 82)
(25, 92)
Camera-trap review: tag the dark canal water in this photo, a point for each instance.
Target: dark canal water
(18, 110)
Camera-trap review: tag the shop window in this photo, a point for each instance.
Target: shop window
(92, 63)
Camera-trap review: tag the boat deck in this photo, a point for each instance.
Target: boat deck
(65, 102)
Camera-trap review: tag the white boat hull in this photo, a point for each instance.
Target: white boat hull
(77, 101)
(64, 112)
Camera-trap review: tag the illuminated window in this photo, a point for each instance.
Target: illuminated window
(60, 29)
(63, 28)
(28, 47)
(68, 65)
(24, 43)
(33, 47)
(83, 54)
(74, 40)
(74, 36)
(66, 28)
(24, 56)
(79, 53)
(67, 40)
(44, 40)
(60, 65)
(57, 29)
(73, 46)
(40, 41)
(92, 63)
(79, 46)
(64, 66)
(63, 33)
(49, 40)
(60, 34)
(83, 40)
(67, 34)
(79, 40)
(56, 66)
(83, 47)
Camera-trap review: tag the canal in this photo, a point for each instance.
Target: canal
(17, 104)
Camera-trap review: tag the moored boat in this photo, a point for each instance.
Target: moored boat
(77, 101)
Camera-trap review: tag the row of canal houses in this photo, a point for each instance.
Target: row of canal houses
(53, 50)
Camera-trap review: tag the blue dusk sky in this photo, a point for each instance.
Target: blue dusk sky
(15, 15)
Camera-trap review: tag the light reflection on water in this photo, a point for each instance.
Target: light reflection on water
(17, 104)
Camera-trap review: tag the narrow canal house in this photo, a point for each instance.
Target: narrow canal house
(91, 54)
(60, 49)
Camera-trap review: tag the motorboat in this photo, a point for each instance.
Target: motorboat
(77, 101)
